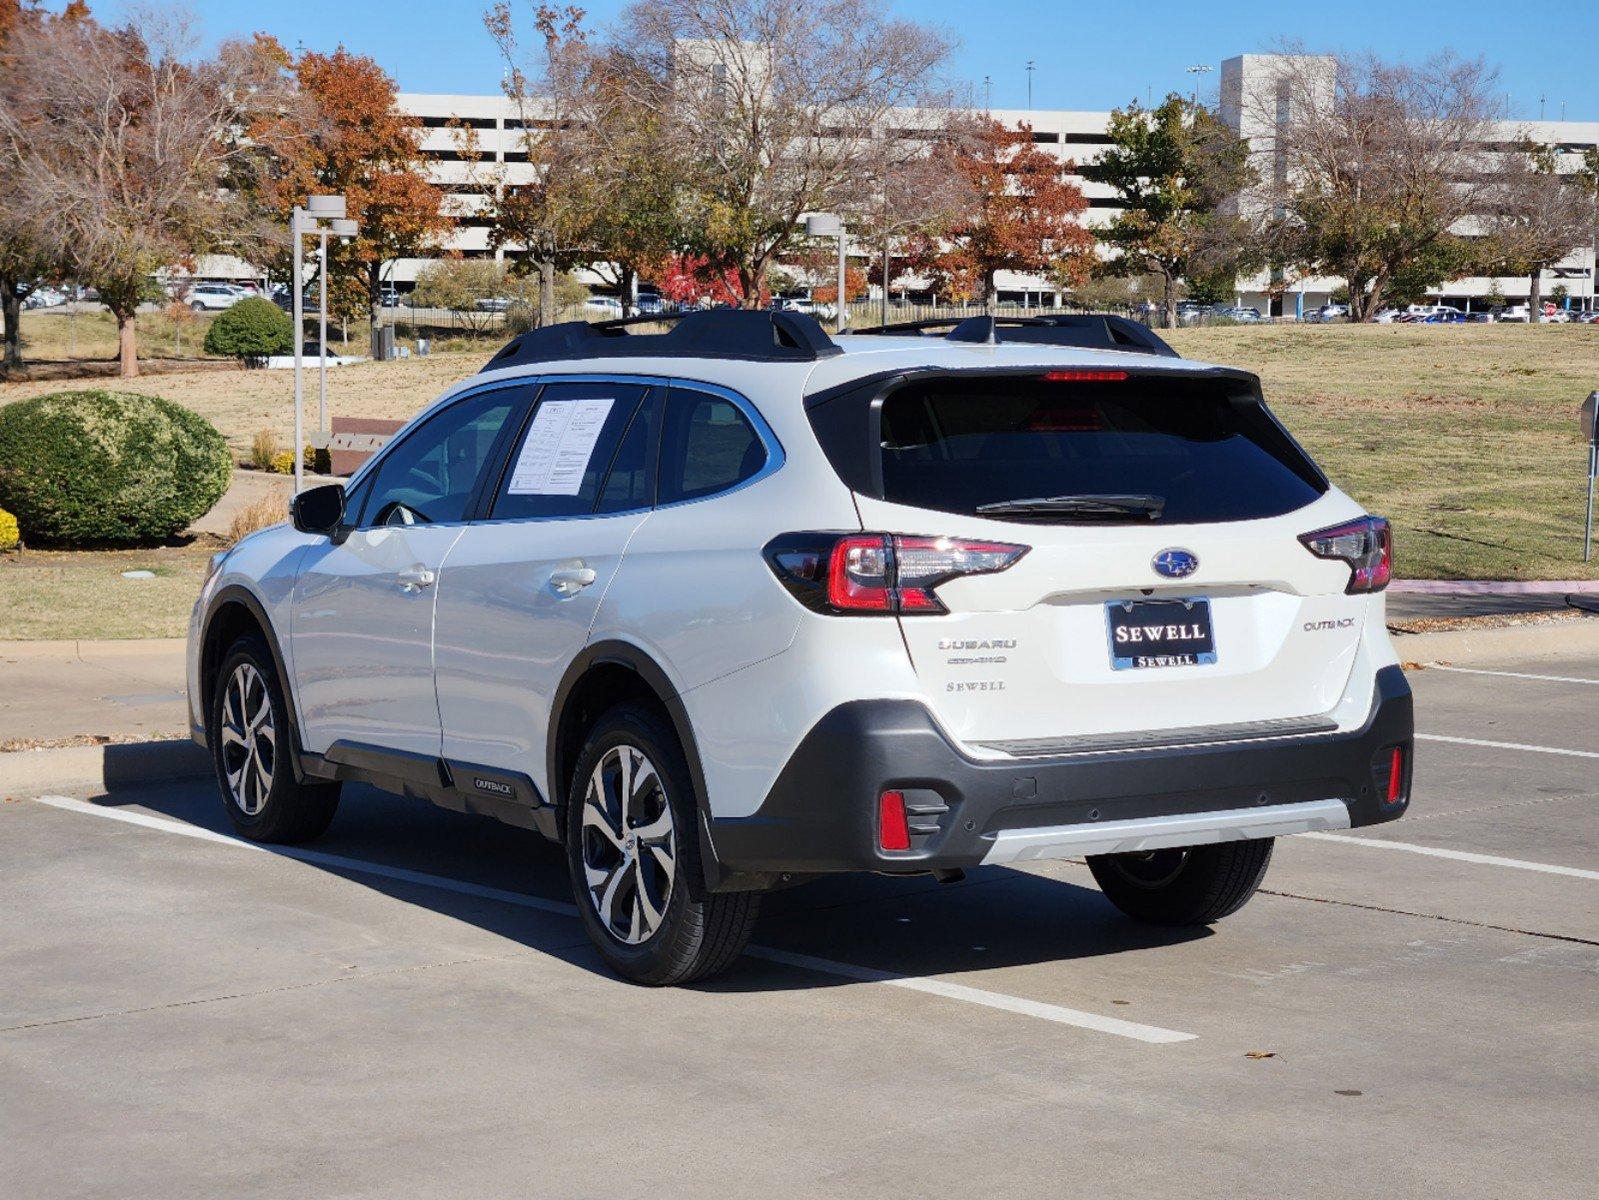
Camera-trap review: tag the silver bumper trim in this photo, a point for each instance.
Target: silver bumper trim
(1160, 833)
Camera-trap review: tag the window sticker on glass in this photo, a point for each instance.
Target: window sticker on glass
(558, 447)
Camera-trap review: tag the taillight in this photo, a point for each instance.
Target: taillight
(1367, 545)
(880, 573)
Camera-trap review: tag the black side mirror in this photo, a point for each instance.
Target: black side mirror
(318, 509)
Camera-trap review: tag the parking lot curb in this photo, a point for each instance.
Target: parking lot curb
(100, 768)
(1554, 639)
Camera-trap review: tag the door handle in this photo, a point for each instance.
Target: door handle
(569, 581)
(416, 578)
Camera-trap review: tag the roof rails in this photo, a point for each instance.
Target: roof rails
(778, 337)
(1091, 331)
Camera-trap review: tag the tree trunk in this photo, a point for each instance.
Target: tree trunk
(1168, 300)
(749, 278)
(990, 290)
(127, 344)
(888, 258)
(629, 275)
(11, 304)
(546, 290)
(1535, 295)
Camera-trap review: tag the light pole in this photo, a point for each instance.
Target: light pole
(1030, 69)
(830, 225)
(1198, 71)
(321, 215)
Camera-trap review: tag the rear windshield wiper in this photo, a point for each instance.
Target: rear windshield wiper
(1087, 506)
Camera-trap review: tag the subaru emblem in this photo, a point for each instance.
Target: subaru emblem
(1173, 563)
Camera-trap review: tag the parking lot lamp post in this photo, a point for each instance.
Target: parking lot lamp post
(831, 225)
(344, 229)
(301, 222)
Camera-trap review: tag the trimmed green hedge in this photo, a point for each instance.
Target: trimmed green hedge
(253, 328)
(108, 468)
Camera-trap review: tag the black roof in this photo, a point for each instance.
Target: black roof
(1091, 331)
(717, 333)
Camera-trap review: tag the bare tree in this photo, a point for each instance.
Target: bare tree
(1536, 216)
(122, 148)
(1369, 167)
(776, 109)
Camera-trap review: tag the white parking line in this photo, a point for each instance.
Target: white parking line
(933, 987)
(1514, 674)
(1487, 860)
(1460, 741)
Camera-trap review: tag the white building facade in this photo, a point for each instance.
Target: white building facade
(1073, 136)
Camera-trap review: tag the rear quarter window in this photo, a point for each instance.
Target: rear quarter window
(954, 445)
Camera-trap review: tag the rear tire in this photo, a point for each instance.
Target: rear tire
(250, 740)
(632, 845)
(1195, 885)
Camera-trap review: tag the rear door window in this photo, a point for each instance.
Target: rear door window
(956, 445)
(707, 446)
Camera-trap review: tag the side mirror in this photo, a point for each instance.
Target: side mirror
(318, 509)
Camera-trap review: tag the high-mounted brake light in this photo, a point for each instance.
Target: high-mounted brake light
(1084, 375)
(1367, 545)
(879, 573)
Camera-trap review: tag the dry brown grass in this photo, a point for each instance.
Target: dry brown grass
(258, 514)
(1465, 435)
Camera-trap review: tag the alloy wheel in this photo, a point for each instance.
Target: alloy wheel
(628, 846)
(249, 739)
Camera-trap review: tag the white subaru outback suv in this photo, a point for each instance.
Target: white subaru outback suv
(740, 604)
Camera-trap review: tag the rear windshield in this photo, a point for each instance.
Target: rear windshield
(955, 445)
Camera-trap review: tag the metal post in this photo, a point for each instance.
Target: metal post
(843, 302)
(1587, 525)
(322, 335)
(299, 354)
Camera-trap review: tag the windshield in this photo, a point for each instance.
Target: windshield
(1187, 450)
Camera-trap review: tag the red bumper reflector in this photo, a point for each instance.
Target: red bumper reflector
(1396, 776)
(892, 832)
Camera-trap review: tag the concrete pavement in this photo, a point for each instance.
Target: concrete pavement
(407, 1009)
(91, 690)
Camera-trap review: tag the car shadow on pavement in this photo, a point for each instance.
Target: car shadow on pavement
(912, 926)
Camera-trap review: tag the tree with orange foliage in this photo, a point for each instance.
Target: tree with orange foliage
(345, 134)
(1024, 216)
(121, 150)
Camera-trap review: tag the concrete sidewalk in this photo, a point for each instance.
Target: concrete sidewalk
(101, 690)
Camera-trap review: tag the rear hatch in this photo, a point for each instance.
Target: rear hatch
(1164, 586)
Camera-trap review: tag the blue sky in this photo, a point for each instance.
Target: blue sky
(1089, 55)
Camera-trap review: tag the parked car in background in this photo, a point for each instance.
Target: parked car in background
(1240, 314)
(608, 305)
(389, 297)
(493, 304)
(44, 297)
(213, 297)
(1328, 313)
(800, 304)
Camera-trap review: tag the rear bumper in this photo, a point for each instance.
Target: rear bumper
(821, 814)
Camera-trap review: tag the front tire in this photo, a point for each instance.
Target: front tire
(249, 736)
(1194, 885)
(633, 850)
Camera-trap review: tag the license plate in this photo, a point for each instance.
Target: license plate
(1159, 633)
